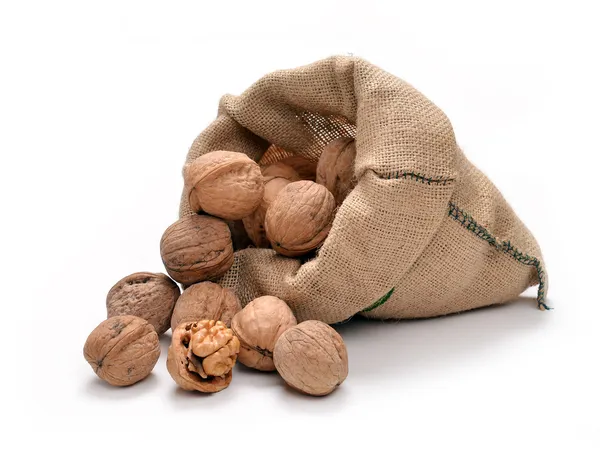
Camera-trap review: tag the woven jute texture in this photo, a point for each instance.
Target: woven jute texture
(424, 233)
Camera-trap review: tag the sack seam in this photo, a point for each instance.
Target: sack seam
(416, 177)
(467, 221)
(504, 246)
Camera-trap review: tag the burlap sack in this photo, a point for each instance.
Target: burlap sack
(424, 233)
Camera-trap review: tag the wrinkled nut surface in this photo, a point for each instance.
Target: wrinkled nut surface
(122, 350)
(311, 358)
(202, 355)
(299, 218)
(280, 170)
(224, 184)
(258, 327)
(196, 248)
(335, 169)
(205, 301)
(255, 223)
(306, 169)
(146, 295)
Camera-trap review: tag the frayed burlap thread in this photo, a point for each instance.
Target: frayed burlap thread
(424, 233)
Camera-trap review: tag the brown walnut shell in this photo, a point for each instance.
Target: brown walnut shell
(258, 327)
(306, 169)
(145, 295)
(224, 184)
(255, 223)
(311, 358)
(335, 169)
(196, 248)
(280, 170)
(122, 350)
(202, 355)
(206, 300)
(299, 218)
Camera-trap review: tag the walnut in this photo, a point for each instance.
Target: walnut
(197, 248)
(280, 170)
(335, 169)
(205, 300)
(146, 295)
(224, 184)
(311, 358)
(255, 223)
(202, 355)
(307, 169)
(258, 326)
(122, 350)
(299, 218)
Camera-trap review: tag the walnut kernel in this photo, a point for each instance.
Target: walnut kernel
(202, 355)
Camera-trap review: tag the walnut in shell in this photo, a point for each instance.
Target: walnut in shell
(306, 168)
(258, 327)
(122, 350)
(196, 248)
(335, 169)
(299, 218)
(280, 170)
(202, 355)
(205, 301)
(312, 358)
(255, 223)
(146, 295)
(224, 184)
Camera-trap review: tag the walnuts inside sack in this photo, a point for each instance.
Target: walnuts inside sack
(258, 327)
(255, 223)
(205, 301)
(306, 169)
(299, 218)
(224, 184)
(146, 295)
(122, 350)
(197, 248)
(312, 358)
(202, 355)
(335, 169)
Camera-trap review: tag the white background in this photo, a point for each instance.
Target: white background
(99, 102)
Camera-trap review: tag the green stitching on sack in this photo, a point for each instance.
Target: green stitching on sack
(469, 223)
(416, 177)
(380, 301)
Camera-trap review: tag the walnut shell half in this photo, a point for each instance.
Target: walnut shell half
(311, 358)
(206, 300)
(299, 218)
(202, 355)
(122, 350)
(335, 169)
(224, 184)
(196, 248)
(146, 295)
(258, 327)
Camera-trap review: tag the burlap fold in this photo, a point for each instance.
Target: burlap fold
(424, 233)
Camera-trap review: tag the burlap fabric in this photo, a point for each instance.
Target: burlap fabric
(424, 233)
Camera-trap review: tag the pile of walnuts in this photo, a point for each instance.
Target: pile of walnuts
(288, 206)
